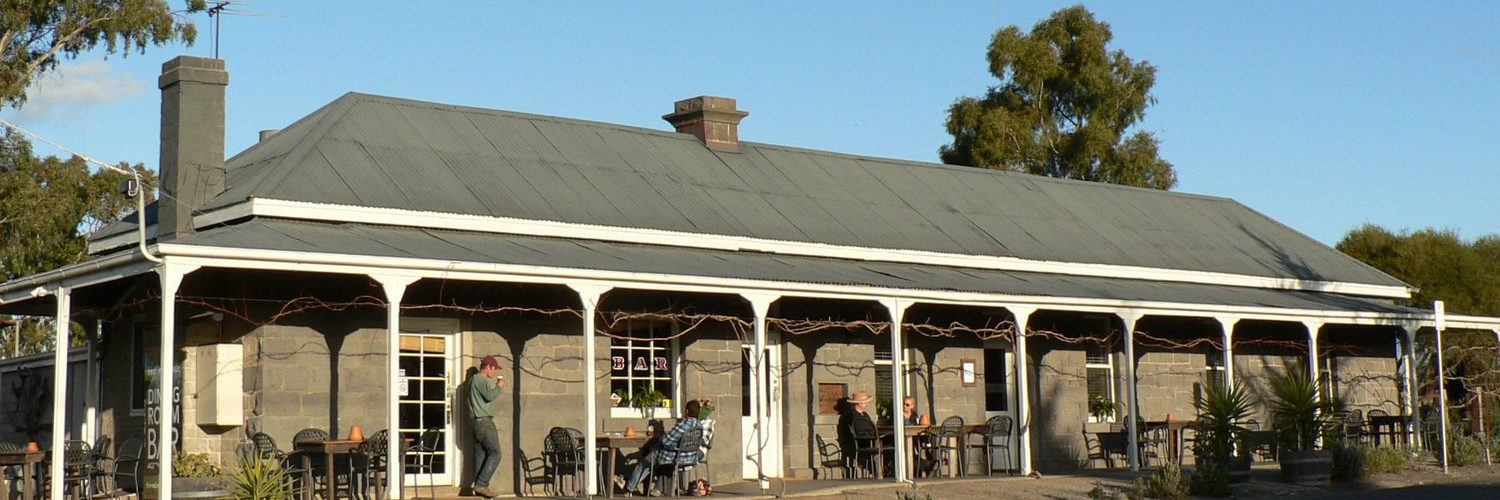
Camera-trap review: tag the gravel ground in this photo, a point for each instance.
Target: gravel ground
(1265, 484)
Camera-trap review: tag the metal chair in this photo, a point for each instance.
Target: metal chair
(536, 471)
(563, 450)
(265, 448)
(78, 467)
(684, 456)
(868, 450)
(12, 473)
(126, 463)
(102, 457)
(947, 445)
(371, 465)
(994, 436)
(420, 458)
(830, 457)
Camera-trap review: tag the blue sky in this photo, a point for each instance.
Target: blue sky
(1323, 115)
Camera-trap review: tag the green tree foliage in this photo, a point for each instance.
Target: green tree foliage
(47, 207)
(1465, 276)
(35, 33)
(1062, 108)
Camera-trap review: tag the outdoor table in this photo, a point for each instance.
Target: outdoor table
(1176, 431)
(607, 445)
(27, 460)
(328, 449)
(911, 431)
(1395, 426)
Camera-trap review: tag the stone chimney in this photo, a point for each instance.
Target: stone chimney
(713, 120)
(192, 140)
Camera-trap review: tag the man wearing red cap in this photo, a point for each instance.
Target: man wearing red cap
(484, 387)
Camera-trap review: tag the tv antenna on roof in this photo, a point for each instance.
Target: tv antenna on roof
(219, 9)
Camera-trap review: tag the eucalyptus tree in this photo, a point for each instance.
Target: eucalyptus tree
(1063, 108)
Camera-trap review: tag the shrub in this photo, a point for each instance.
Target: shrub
(1102, 492)
(259, 478)
(1167, 483)
(1210, 480)
(1464, 450)
(1384, 460)
(194, 465)
(1348, 462)
(913, 495)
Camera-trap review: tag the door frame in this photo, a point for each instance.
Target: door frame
(774, 453)
(451, 329)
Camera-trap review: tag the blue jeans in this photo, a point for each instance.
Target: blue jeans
(487, 453)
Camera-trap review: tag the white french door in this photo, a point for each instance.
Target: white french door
(768, 442)
(427, 379)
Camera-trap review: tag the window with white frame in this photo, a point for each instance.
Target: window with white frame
(1213, 367)
(643, 368)
(1099, 370)
(885, 376)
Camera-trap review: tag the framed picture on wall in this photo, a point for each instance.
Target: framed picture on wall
(966, 373)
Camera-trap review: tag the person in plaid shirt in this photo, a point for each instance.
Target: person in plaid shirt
(659, 451)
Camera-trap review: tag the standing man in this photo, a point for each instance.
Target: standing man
(484, 387)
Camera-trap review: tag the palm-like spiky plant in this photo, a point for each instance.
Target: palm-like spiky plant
(1299, 412)
(1220, 411)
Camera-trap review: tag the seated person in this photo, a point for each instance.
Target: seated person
(660, 455)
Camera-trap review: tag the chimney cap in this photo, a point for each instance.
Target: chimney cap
(713, 120)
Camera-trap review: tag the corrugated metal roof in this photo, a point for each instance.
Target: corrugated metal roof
(443, 245)
(386, 152)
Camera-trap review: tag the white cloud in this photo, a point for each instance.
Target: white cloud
(71, 88)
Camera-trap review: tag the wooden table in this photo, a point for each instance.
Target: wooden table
(1395, 426)
(912, 431)
(27, 460)
(328, 449)
(1176, 431)
(607, 445)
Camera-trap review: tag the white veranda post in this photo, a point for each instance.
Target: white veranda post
(395, 288)
(171, 278)
(1440, 323)
(59, 387)
(762, 307)
(1023, 400)
(1132, 435)
(589, 295)
(1227, 323)
(897, 309)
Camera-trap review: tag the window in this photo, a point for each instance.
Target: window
(642, 358)
(1100, 375)
(1213, 367)
(884, 376)
(996, 397)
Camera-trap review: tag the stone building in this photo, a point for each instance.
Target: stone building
(598, 259)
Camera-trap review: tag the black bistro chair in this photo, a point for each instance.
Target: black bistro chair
(992, 440)
(947, 445)
(564, 452)
(830, 457)
(421, 458)
(686, 458)
(868, 453)
(536, 471)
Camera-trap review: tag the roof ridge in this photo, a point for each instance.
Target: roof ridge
(328, 117)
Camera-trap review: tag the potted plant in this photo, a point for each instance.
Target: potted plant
(618, 397)
(648, 399)
(1219, 467)
(1102, 408)
(1301, 416)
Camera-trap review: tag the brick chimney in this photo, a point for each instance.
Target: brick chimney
(713, 120)
(192, 140)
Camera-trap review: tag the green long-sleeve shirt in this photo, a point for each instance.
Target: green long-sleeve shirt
(482, 392)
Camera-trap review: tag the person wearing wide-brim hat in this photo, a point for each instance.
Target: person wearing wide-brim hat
(852, 410)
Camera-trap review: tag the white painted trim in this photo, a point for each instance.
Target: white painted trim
(477, 271)
(263, 207)
(78, 275)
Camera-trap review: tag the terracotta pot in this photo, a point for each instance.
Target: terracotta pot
(33, 447)
(356, 433)
(925, 419)
(630, 432)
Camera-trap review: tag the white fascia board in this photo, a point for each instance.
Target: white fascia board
(226, 257)
(121, 240)
(507, 225)
(78, 275)
(1457, 321)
